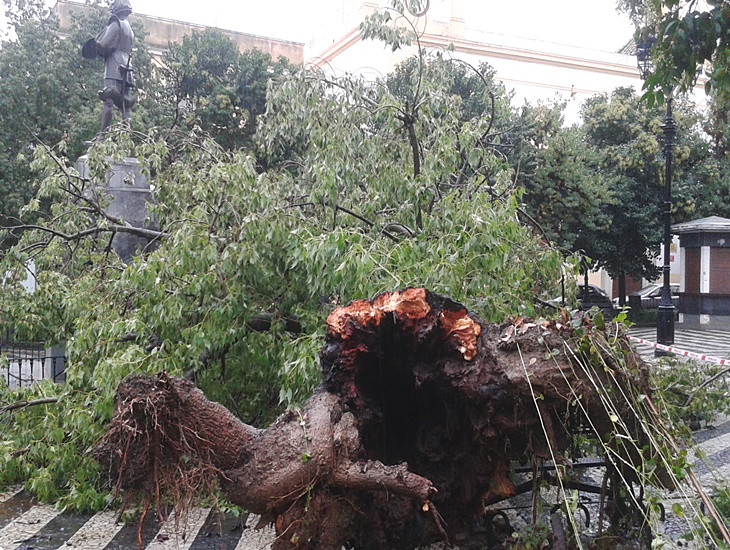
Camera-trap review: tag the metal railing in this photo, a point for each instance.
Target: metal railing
(24, 364)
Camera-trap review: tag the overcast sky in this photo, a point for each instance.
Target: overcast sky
(587, 23)
(590, 24)
(593, 24)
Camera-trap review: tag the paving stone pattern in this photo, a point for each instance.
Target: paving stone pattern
(715, 343)
(39, 527)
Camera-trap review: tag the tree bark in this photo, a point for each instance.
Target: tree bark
(421, 410)
(622, 289)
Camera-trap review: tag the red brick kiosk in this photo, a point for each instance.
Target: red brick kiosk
(704, 299)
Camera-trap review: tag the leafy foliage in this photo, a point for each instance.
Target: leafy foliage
(346, 218)
(208, 83)
(695, 392)
(689, 38)
(569, 195)
(18, 12)
(630, 151)
(628, 136)
(712, 175)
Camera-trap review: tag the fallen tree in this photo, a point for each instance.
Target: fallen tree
(421, 410)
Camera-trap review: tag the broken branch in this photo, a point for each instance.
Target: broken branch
(24, 404)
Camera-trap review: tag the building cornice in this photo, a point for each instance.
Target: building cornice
(337, 48)
(487, 50)
(525, 55)
(162, 31)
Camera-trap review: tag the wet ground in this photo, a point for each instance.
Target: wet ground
(25, 525)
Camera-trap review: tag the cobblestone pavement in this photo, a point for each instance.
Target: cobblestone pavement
(26, 525)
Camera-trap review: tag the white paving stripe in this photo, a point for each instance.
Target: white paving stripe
(712, 445)
(22, 528)
(182, 535)
(10, 493)
(715, 343)
(256, 539)
(709, 447)
(97, 532)
(716, 444)
(716, 476)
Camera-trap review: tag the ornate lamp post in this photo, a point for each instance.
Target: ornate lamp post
(665, 318)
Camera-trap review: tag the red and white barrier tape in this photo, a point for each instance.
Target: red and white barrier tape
(686, 353)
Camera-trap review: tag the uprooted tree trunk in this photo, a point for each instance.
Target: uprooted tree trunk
(421, 410)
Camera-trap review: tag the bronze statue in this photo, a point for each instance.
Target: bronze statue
(114, 44)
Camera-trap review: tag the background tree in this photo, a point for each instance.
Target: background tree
(534, 127)
(627, 134)
(18, 12)
(50, 96)
(712, 187)
(250, 262)
(516, 134)
(688, 36)
(210, 84)
(690, 39)
(570, 195)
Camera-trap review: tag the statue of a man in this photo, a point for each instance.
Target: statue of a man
(114, 44)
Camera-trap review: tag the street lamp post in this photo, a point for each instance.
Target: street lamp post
(665, 317)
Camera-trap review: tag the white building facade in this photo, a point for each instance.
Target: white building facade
(535, 68)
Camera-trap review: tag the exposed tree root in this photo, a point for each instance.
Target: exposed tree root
(421, 410)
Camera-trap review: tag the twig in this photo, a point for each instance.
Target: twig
(118, 225)
(707, 501)
(409, 120)
(218, 207)
(705, 384)
(53, 232)
(139, 231)
(23, 404)
(55, 159)
(366, 221)
(114, 228)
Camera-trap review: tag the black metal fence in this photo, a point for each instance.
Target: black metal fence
(23, 364)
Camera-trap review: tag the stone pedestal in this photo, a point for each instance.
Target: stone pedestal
(127, 194)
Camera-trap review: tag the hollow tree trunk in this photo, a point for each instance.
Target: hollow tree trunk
(421, 410)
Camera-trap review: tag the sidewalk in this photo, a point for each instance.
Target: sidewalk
(715, 343)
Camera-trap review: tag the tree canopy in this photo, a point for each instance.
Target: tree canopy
(629, 138)
(687, 38)
(207, 82)
(249, 262)
(569, 193)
